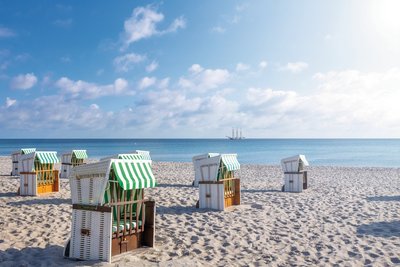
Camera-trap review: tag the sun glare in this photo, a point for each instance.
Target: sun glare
(385, 16)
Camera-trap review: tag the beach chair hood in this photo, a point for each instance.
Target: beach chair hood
(127, 156)
(131, 174)
(27, 150)
(230, 161)
(145, 154)
(294, 163)
(80, 154)
(44, 157)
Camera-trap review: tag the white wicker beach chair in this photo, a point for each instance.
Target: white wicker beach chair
(218, 186)
(110, 214)
(37, 173)
(196, 164)
(71, 159)
(295, 177)
(144, 155)
(15, 156)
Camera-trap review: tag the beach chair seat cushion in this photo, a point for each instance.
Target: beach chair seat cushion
(126, 227)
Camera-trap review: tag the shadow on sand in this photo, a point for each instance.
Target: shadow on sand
(178, 210)
(41, 201)
(384, 198)
(260, 190)
(380, 229)
(175, 185)
(8, 194)
(31, 256)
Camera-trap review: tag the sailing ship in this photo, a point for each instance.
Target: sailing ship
(236, 134)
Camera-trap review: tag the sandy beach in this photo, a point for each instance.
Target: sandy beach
(347, 217)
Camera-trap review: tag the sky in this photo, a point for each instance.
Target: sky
(195, 69)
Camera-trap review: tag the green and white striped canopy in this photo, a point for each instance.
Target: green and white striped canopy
(130, 156)
(145, 154)
(133, 174)
(80, 154)
(230, 161)
(27, 150)
(47, 156)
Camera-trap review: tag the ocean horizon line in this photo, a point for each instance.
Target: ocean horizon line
(205, 138)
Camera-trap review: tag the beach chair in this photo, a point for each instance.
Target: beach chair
(37, 173)
(295, 177)
(110, 214)
(15, 159)
(196, 164)
(127, 156)
(71, 159)
(218, 186)
(145, 154)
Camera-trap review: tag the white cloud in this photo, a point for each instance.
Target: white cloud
(24, 81)
(142, 24)
(295, 67)
(242, 67)
(345, 104)
(88, 90)
(147, 82)
(10, 102)
(196, 68)
(263, 64)
(63, 23)
(163, 83)
(46, 80)
(201, 79)
(6, 32)
(152, 66)
(99, 72)
(258, 96)
(22, 57)
(65, 59)
(94, 107)
(241, 7)
(178, 23)
(168, 110)
(124, 63)
(218, 29)
(236, 19)
(29, 115)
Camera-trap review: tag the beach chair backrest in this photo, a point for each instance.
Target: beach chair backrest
(145, 154)
(88, 182)
(294, 163)
(209, 168)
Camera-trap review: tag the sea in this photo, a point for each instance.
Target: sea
(320, 152)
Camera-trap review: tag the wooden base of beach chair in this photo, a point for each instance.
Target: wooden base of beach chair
(219, 194)
(50, 188)
(305, 182)
(134, 241)
(235, 198)
(30, 186)
(295, 181)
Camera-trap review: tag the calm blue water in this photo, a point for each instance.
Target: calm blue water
(340, 152)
